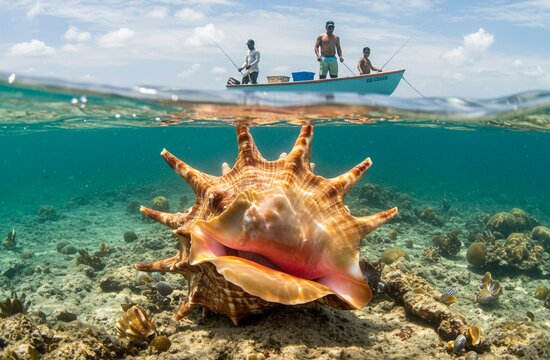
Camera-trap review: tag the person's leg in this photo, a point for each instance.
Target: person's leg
(333, 69)
(246, 79)
(254, 77)
(323, 69)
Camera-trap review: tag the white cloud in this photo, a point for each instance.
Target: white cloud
(32, 48)
(479, 41)
(189, 14)
(116, 38)
(158, 13)
(72, 34)
(218, 70)
(473, 45)
(188, 72)
(72, 48)
(36, 9)
(204, 35)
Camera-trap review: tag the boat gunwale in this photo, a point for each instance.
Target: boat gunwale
(317, 81)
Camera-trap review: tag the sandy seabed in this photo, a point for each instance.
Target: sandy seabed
(72, 311)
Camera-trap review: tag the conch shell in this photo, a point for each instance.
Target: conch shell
(268, 232)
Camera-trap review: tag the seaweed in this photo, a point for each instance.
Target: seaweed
(13, 305)
(93, 261)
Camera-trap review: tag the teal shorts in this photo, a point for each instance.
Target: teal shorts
(328, 64)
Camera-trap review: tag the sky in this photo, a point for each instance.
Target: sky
(475, 49)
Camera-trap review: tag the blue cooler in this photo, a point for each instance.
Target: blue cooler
(302, 76)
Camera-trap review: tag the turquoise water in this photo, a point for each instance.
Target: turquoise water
(60, 142)
(499, 167)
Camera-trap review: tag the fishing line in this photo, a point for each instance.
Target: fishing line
(413, 87)
(349, 69)
(398, 50)
(219, 47)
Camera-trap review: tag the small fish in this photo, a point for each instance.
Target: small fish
(450, 291)
(459, 344)
(372, 271)
(530, 315)
(448, 297)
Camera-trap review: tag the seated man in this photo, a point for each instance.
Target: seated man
(364, 66)
(251, 64)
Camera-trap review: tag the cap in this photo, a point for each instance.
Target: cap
(329, 23)
(250, 42)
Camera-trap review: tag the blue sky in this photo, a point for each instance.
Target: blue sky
(459, 48)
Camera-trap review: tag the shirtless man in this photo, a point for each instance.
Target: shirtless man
(330, 45)
(364, 66)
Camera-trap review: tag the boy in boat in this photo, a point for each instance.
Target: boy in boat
(364, 66)
(330, 45)
(251, 64)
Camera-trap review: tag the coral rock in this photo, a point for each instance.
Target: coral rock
(130, 236)
(447, 245)
(160, 344)
(160, 203)
(477, 254)
(542, 292)
(268, 232)
(390, 255)
(542, 235)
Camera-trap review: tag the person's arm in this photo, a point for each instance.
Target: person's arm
(339, 49)
(256, 60)
(359, 68)
(244, 64)
(316, 48)
(374, 68)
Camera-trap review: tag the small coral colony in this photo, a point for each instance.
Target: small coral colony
(273, 233)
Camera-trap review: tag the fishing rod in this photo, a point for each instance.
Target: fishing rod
(219, 47)
(398, 50)
(351, 71)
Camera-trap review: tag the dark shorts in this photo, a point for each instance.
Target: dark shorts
(253, 78)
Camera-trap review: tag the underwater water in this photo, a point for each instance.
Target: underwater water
(86, 153)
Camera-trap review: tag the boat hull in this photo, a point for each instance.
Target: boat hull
(383, 83)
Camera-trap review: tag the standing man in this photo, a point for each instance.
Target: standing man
(330, 45)
(364, 65)
(251, 64)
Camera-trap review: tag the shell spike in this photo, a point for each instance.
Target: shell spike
(196, 179)
(173, 221)
(225, 168)
(248, 152)
(369, 223)
(302, 146)
(160, 265)
(183, 311)
(345, 182)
